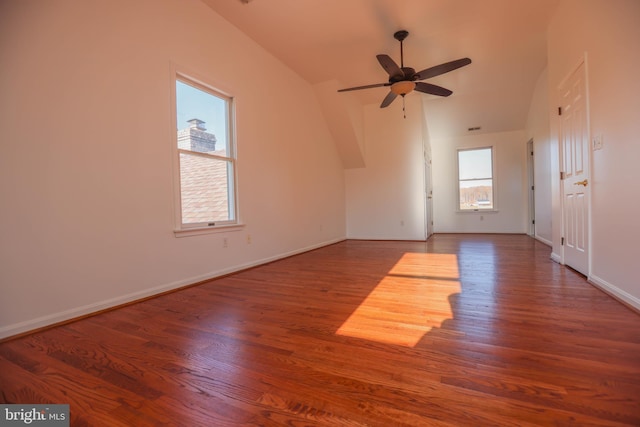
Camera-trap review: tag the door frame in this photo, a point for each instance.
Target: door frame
(584, 64)
(531, 188)
(428, 181)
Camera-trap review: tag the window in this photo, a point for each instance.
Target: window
(475, 179)
(205, 156)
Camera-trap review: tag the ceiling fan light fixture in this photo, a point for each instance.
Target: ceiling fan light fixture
(403, 87)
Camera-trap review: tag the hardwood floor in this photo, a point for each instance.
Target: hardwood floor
(460, 330)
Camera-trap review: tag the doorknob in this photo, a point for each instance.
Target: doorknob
(584, 182)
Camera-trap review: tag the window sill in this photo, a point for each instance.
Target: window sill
(475, 211)
(186, 232)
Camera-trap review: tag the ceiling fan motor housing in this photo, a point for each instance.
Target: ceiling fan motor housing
(408, 73)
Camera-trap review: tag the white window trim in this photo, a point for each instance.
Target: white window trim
(196, 231)
(493, 178)
(180, 230)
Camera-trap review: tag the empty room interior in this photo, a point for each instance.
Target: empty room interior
(320, 212)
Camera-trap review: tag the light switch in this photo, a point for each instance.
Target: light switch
(597, 142)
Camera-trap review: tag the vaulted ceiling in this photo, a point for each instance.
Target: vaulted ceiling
(325, 40)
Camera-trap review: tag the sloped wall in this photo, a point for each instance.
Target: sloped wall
(344, 116)
(85, 171)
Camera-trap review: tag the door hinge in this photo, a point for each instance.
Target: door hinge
(559, 111)
(533, 221)
(561, 176)
(532, 188)
(562, 241)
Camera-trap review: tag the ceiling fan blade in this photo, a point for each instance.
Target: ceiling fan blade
(388, 99)
(432, 89)
(364, 87)
(389, 65)
(442, 68)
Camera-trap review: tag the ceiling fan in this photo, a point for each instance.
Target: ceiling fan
(405, 79)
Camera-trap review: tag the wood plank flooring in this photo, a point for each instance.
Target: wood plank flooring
(461, 330)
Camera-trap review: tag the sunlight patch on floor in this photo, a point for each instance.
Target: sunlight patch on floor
(407, 303)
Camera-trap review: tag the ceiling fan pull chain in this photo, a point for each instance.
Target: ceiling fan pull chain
(404, 113)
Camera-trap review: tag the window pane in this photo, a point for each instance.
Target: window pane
(202, 120)
(475, 164)
(205, 155)
(204, 189)
(476, 194)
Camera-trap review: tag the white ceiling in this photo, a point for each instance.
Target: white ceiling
(338, 40)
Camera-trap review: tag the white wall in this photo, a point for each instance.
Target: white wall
(85, 170)
(386, 199)
(538, 130)
(608, 31)
(510, 196)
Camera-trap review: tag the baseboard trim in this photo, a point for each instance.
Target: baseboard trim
(29, 326)
(556, 258)
(543, 240)
(619, 294)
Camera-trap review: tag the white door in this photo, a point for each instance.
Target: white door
(575, 152)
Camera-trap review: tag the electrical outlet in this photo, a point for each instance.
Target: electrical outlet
(248, 239)
(225, 243)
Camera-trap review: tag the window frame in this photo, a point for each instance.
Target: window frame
(182, 229)
(494, 208)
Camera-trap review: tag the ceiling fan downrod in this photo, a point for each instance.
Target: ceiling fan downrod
(400, 36)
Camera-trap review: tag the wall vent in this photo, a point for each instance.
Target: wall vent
(474, 128)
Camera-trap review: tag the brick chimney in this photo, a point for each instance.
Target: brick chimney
(196, 138)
